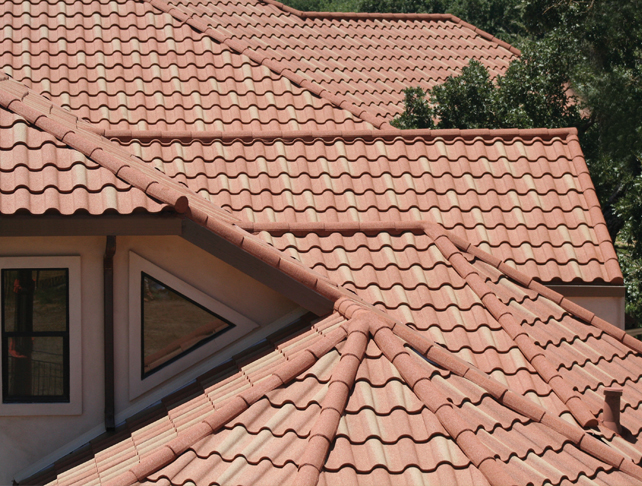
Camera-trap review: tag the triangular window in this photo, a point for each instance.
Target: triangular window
(172, 324)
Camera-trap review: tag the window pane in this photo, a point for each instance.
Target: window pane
(172, 324)
(35, 367)
(35, 300)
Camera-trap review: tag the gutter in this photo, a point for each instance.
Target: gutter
(108, 331)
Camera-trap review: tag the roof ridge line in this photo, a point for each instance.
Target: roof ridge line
(514, 401)
(457, 427)
(234, 44)
(513, 328)
(345, 228)
(392, 16)
(333, 405)
(270, 135)
(236, 405)
(569, 306)
(112, 161)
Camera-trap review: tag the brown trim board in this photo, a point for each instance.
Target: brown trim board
(589, 290)
(85, 225)
(108, 332)
(167, 224)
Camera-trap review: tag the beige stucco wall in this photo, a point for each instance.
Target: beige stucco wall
(27, 441)
(199, 269)
(611, 309)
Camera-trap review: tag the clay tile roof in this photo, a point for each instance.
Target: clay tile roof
(127, 65)
(498, 397)
(524, 196)
(445, 360)
(362, 60)
(41, 174)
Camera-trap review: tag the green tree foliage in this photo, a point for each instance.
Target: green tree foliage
(532, 94)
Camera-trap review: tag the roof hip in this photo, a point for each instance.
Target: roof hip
(336, 99)
(502, 314)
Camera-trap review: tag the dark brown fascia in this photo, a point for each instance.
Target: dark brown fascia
(86, 225)
(574, 290)
(169, 224)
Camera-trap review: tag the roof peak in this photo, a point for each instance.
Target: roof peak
(429, 17)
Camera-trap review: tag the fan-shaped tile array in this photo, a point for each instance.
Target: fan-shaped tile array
(385, 432)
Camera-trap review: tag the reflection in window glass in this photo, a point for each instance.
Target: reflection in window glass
(35, 337)
(173, 324)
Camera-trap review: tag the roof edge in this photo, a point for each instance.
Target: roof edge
(331, 135)
(572, 308)
(431, 17)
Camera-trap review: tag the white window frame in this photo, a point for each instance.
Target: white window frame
(138, 385)
(74, 406)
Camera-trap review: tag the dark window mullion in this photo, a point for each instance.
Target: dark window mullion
(62, 334)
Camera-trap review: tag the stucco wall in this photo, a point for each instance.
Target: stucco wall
(611, 309)
(26, 439)
(29, 441)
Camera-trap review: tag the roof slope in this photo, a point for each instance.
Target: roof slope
(362, 399)
(159, 71)
(126, 65)
(446, 365)
(367, 60)
(40, 174)
(525, 195)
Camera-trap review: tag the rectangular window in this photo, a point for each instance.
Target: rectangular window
(172, 324)
(35, 335)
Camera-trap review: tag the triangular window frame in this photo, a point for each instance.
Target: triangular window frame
(140, 382)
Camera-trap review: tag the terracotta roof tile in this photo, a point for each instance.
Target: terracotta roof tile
(39, 174)
(366, 60)
(384, 426)
(212, 94)
(525, 205)
(127, 65)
